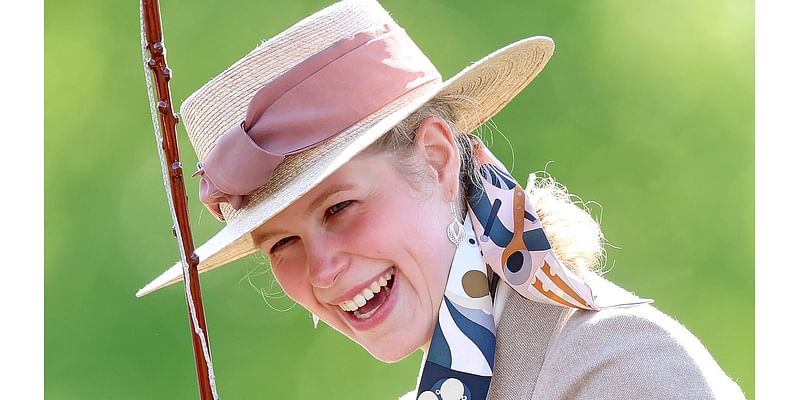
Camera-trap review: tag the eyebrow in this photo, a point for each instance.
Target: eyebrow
(336, 188)
(317, 203)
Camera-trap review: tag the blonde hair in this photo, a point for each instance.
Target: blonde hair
(574, 235)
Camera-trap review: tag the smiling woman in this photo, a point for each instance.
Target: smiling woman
(369, 228)
(336, 149)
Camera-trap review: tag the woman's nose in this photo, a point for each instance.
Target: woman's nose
(326, 262)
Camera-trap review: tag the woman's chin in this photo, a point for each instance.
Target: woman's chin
(393, 349)
(391, 355)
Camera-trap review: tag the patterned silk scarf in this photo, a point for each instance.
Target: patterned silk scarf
(505, 238)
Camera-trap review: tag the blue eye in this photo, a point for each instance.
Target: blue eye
(280, 243)
(338, 207)
(333, 210)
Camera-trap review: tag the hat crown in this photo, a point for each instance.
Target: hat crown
(222, 102)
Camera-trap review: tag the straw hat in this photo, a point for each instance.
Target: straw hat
(223, 103)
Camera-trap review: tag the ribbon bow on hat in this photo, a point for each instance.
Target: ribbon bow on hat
(308, 104)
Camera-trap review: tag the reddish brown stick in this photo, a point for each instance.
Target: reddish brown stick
(169, 145)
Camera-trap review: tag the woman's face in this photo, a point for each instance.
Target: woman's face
(367, 250)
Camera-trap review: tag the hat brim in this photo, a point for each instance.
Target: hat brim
(489, 83)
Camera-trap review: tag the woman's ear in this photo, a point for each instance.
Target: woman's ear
(439, 151)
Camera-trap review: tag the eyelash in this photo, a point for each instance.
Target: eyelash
(328, 213)
(344, 205)
(280, 243)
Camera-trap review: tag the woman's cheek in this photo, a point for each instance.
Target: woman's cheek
(367, 230)
(290, 278)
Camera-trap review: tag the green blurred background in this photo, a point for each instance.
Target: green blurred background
(646, 108)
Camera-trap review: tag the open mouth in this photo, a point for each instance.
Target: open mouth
(366, 303)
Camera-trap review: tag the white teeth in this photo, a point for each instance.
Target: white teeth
(365, 316)
(367, 293)
(360, 300)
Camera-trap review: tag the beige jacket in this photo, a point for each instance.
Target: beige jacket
(547, 352)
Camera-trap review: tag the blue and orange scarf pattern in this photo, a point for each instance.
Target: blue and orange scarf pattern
(504, 238)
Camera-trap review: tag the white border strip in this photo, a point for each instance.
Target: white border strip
(22, 283)
(777, 180)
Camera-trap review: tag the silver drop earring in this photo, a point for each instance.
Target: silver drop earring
(455, 231)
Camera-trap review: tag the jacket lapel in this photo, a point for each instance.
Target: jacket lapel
(524, 331)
